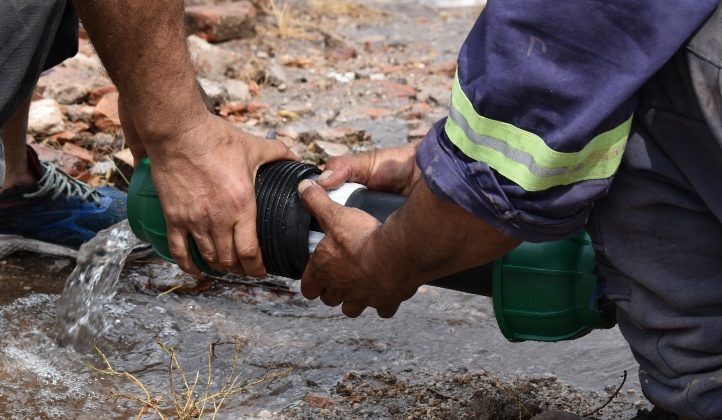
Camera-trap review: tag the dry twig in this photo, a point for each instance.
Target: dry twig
(614, 394)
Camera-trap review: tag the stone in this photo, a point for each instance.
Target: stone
(275, 75)
(346, 77)
(215, 91)
(210, 61)
(221, 22)
(395, 89)
(103, 140)
(340, 53)
(102, 168)
(80, 113)
(436, 94)
(106, 116)
(237, 90)
(417, 111)
(376, 112)
(418, 133)
(316, 400)
(77, 151)
(72, 81)
(330, 149)
(45, 117)
(97, 94)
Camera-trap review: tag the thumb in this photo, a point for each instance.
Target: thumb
(274, 150)
(318, 203)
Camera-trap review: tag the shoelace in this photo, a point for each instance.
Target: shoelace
(59, 182)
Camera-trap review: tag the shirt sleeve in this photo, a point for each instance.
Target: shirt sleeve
(542, 105)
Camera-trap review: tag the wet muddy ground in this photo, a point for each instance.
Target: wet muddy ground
(440, 356)
(355, 75)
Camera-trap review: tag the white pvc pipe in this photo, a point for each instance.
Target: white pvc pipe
(340, 195)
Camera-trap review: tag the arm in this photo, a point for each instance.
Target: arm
(202, 166)
(426, 239)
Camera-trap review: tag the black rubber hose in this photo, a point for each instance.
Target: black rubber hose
(283, 225)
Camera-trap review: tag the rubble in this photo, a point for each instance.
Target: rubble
(106, 115)
(221, 22)
(211, 61)
(46, 117)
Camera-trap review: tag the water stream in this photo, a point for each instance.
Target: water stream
(92, 285)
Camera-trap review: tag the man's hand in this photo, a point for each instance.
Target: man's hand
(349, 232)
(205, 184)
(203, 167)
(392, 169)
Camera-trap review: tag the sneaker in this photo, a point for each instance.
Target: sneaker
(57, 214)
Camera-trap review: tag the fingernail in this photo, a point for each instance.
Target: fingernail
(325, 175)
(303, 185)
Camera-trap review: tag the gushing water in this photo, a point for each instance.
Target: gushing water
(92, 285)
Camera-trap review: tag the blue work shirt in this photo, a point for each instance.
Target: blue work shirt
(542, 105)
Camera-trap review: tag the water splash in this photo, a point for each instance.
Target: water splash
(92, 284)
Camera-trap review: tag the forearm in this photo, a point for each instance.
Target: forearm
(142, 45)
(429, 238)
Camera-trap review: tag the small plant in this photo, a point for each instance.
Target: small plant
(187, 400)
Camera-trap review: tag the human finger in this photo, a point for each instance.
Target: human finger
(178, 248)
(318, 203)
(226, 251)
(354, 168)
(387, 311)
(206, 248)
(331, 298)
(310, 287)
(246, 243)
(352, 309)
(273, 150)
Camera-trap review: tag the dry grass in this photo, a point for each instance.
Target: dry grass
(299, 19)
(187, 397)
(342, 8)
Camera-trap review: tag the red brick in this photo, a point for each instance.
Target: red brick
(398, 90)
(221, 22)
(97, 93)
(318, 400)
(376, 112)
(78, 152)
(106, 116)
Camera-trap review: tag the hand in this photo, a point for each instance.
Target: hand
(349, 241)
(204, 177)
(392, 169)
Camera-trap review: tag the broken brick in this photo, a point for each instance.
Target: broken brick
(106, 116)
(97, 94)
(221, 22)
(78, 152)
(318, 400)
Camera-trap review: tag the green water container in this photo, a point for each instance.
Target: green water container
(145, 216)
(548, 291)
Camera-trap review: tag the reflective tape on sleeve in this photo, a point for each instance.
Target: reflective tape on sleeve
(522, 156)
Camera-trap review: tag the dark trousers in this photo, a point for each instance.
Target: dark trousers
(658, 238)
(34, 36)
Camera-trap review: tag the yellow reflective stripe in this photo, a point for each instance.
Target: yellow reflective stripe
(524, 157)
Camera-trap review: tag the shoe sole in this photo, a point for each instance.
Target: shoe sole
(10, 244)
